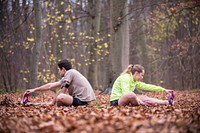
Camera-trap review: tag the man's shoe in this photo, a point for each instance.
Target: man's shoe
(25, 98)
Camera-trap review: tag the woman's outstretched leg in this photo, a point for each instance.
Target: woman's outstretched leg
(150, 100)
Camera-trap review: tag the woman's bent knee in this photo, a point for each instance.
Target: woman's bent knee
(129, 98)
(131, 95)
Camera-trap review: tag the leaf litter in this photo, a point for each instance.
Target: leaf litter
(99, 116)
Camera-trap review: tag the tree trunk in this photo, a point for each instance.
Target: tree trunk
(61, 31)
(119, 48)
(142, 43)
(125, 38)
(94, 24)
(37, 46)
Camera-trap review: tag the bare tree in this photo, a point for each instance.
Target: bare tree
(119, 47)
(37, 46)
(94, 27)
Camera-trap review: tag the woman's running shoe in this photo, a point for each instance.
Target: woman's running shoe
(171, 99)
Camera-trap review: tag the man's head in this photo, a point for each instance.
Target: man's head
(63, 66)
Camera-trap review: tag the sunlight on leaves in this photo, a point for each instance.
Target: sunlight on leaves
(30, 39)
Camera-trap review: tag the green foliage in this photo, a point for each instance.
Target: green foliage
(166, 21)
(2, 90)
(173, 42)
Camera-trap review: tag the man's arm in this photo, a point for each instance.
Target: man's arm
(45, 87)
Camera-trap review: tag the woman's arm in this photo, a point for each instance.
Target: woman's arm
(149, 87)
(168, 91)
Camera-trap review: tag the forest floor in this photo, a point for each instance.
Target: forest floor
(99, 116)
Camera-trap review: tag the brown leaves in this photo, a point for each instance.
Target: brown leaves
(99, 116)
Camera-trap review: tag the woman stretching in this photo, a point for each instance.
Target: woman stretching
(122, 91)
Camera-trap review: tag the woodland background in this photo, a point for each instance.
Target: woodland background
(100, 38)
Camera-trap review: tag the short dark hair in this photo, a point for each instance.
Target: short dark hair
(65, 63)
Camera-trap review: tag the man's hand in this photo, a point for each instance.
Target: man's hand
(50, 103)
(30, 91)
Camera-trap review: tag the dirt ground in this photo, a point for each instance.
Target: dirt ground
(99, 116)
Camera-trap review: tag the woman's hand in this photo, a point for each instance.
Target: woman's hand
(169, 91)
(140, 102)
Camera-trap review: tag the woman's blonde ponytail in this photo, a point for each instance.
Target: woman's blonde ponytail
(128, 70)
(131, 69)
